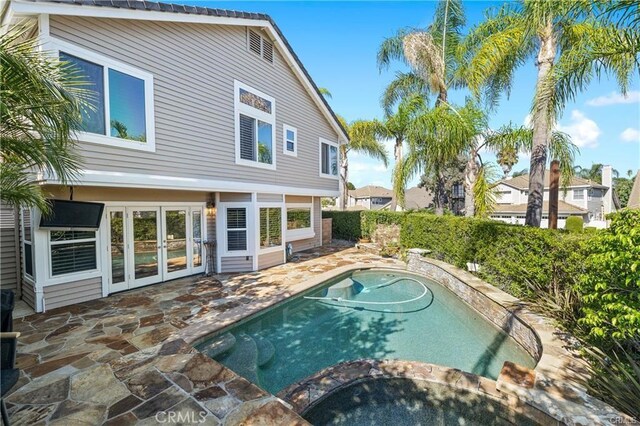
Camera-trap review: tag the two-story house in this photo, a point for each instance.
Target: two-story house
(370, 197)
(582, 197)
(208, 147)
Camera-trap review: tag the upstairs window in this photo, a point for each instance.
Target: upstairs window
(290, 140)
(260, 45)
(328, 159)
(119, 98)
(578, 194)
(255, 127)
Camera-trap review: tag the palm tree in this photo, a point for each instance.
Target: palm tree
(396, 126)
(325, 92)
(593, 173)
(41, 100)
(565, 38)
(431, 54)
(364, 139)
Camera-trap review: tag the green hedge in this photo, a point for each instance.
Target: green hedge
(345, 225)
(574, 224)
(511, 256)
(353, 225)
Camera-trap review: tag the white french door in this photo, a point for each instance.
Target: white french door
(147, 244)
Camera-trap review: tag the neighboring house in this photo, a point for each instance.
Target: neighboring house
(369, 197)
(634, 196)
(417, 199)
(206, 128)
(584, 198)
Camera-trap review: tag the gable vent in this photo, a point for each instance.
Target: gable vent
(267, 50)
(260, 45)
(254, 42)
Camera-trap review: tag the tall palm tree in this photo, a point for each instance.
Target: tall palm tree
(565, 39)
(40, 109)
(325, 92)
(363, 138)
(593, 173)
(431, 53)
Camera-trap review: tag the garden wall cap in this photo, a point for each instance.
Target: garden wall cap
(419, 251)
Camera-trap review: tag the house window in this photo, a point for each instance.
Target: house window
(236, 229)
(27, 242)
(255, 121)
(120, 110)
(260, 45)
(578, 194)
(270, 227)
(328, 159)
(72, 251)
(299, 222)
(196, 219)
(458, 190)
(290, 140)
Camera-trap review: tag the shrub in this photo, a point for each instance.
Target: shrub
(574, 224)
(353, 225)
(345, 225)
(512, 256)
(610, 284)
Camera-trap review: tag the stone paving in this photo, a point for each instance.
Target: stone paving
(122, 359)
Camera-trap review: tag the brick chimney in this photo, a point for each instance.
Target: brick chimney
(607, 180)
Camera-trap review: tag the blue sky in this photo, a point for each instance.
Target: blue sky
(338, 42)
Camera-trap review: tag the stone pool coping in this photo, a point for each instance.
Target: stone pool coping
(307, 393)
(211, 324)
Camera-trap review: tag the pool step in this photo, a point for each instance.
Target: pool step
(219, 345)
(266, 350)
(243, 359)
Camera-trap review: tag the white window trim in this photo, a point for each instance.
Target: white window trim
(302, 233)
(240, 108)
(285, 151)
(29, 277)
(75, 276)
(330, 143)
(249, 220)
(282, 234)
(55, 45)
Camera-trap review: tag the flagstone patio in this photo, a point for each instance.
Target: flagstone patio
(124, 359)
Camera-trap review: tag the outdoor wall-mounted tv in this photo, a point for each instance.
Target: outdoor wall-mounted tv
(72, 215)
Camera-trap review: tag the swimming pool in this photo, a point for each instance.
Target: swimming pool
(373, 313)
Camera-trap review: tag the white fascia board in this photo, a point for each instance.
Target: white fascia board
(136, 180)
(31, 8)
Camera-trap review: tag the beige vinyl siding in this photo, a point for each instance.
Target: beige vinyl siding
(28, 294)
(270, 259)
(292, 199)
(9, 248)
(194, 67)
(269, 198)
(237, 264)
(69, 293)
(94, 193)
(317, 229)
(235, 197)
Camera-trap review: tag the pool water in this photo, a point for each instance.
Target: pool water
(380, 314)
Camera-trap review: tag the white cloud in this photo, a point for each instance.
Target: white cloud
(584, 132)
(528, 121)
(357, 166)
(615, 98)
(630, 135)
